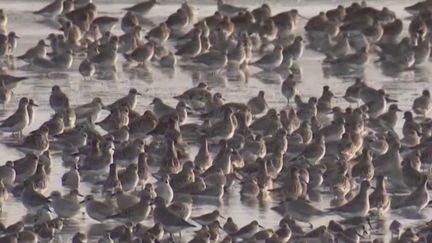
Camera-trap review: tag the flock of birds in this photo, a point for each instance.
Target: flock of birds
(141, 167)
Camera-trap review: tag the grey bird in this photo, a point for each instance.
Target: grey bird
(130, 100)
(379, 199)
(271, 60)
(417, 200)
(87, 69)
(51, 10)
(423, 104)
(170, 222)
(134, 214)
(207, 218)
(97, 210)
(32, 199)
(58, 100)
(228, 9)
(258, 104)
(39, 51)
(17, 121)
(358, 206)
(142, 8)
(247, 231)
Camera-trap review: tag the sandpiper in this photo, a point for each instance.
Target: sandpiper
(130, 100)
(228, 9)
(208, 218)
(270, 61)
(97, 210)
(422, 105)
(59, 101)
(32, 199)
(171, 222)
(17, 121)
(135, 214)
(142, 8)
(247, 231)
(51, 10)
(66, 206)
(358, 206)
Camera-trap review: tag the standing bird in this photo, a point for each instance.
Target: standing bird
(271, 60)
(258, 104)
(170, 221)
(58, 100)
(17, 121)
(423, 104)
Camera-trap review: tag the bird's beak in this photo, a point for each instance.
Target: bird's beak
(222, 216)
(262, 227)
(82, 202)
(34, 104)
(138, 93)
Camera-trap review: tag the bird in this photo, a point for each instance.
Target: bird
(422, 105)
(58, 100)
(142, 8)
(358, 206)
(247, 231)
(271, 60)
(228, 9)
(130, 100)
(135, 213)
(51, 10)
(38, 51)
(66, 206)
(170, 222)
(97, 210)
(16, 122)
(32, 199)
(258, 104)
(208, 218)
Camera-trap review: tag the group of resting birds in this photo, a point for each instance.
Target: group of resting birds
(149, 171)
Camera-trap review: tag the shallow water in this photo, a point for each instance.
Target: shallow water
(403, 87)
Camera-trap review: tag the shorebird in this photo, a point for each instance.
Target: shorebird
(17, 121)
(258, 104)
(417, 200)
(97, 210)
(271, 60)
(142, 8)
(170, 221)
(247, 231)
(130, 100)
(51, 10)
(71, 178)
(135, 213)
(37, 142)
(32, 199)
(358, 206)
(208, 218)
(38, 51)
(423, 104)
(228, 9)
(379, 198)
(66, 206)
(289, 89)
(58, 100)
